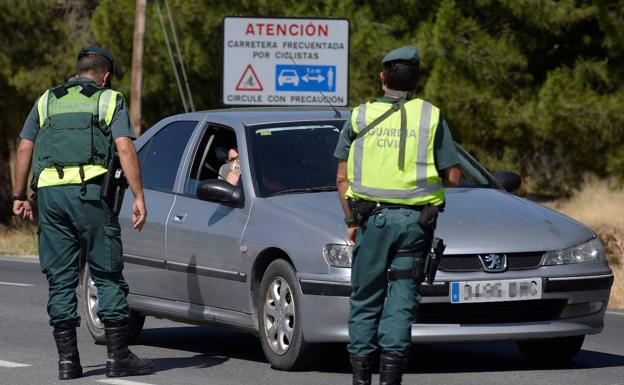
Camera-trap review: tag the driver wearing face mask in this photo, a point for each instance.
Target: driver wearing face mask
(230, 171)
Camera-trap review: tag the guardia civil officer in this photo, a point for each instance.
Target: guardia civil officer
(395, 155)
(70, 135)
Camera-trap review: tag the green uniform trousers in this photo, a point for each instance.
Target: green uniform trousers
(71, 220)
(374, 324)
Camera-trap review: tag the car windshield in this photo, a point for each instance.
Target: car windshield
(290, 158)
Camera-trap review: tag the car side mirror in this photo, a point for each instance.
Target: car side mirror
(216, 190)
(510, 181)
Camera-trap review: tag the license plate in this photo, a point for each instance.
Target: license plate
(496, 291)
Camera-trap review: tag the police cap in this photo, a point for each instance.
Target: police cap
(408, 53)
(97, 51)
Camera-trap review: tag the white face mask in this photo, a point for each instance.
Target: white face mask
(394, 93)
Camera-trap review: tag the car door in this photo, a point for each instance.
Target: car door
(204, 238)
(144, 251)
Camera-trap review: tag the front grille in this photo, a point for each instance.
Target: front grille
(490, 313)
(470, 262)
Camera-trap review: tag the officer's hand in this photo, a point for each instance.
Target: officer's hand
(139, 214)
(23, 209)
(351, 233)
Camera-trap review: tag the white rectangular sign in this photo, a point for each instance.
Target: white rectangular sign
(278, 61)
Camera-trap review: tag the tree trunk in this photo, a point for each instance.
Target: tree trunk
(6, 185)
(137, 66)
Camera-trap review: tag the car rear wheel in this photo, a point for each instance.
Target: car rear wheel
(90, 306)
(551, 350)
(281, 332)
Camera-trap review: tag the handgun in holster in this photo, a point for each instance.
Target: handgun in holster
(433, 259)
(114, 185)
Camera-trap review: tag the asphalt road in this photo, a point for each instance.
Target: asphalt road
(189, 355)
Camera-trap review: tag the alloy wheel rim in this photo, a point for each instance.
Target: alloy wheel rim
(93, 303)
(279, 316)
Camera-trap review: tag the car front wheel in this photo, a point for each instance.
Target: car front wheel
(90, 306)
(281, 332)
(551, 350)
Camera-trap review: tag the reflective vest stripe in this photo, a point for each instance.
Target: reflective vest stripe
(358, 151)
(106, 106)
(423, 159)
(71, 175)
(42, 108)
(423, 144)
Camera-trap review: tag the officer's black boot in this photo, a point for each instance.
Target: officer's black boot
(362, 369)
(391, 369)
(67, 346)
(121, 361)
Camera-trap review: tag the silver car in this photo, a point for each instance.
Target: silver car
(269, 256)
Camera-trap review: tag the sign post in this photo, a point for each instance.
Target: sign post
(281, 62)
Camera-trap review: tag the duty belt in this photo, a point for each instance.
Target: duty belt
(412, 273)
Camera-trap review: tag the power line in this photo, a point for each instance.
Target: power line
(177, 44)
(173, 64)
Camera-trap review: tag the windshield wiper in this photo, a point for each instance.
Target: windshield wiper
(305, 190)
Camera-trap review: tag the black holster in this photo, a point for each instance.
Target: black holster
(429, 218)
(433, 259)
(114, 185)
(362, 210)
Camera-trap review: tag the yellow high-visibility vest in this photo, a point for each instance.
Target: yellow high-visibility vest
(104, 107)
(378, 170)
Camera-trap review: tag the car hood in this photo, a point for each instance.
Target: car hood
(322, 208)
(474, 221)
(490, 220)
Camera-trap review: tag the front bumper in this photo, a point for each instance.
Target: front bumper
(325, 311)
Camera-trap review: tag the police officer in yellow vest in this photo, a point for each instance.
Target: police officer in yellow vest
(71, 135)
(395, 155)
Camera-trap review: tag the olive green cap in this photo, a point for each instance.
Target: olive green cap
(97, 51)
(407, 53)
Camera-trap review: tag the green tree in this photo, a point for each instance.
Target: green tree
(31, 60)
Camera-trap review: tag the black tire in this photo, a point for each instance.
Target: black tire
(551, 350)
(287, 350)
(89, 303)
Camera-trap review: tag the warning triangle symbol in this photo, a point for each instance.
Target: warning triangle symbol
(249, 81)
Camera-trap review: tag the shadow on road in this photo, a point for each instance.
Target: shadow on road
(496, 357)
(214, 346)
(210, 343)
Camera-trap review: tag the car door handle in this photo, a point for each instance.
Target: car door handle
(179, 218)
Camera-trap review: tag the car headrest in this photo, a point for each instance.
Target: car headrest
(221, 154)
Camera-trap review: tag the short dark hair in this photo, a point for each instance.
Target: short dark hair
(93, 63)
(401, 75)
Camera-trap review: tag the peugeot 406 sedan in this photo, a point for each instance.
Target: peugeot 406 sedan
(269, 256)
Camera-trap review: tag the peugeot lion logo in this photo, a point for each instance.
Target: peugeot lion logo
(493, 263)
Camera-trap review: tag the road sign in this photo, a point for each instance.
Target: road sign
(278, 61)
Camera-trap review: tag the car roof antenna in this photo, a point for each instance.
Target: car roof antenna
(338, 115)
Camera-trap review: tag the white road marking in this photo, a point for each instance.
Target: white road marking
(615, 312)
(23, 258)
(16, 284)
(122, 382)
(9, 364)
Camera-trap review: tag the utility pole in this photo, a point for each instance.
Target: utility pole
(137, 66)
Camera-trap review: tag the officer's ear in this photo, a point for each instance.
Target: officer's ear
(106, 80)
(382, 78)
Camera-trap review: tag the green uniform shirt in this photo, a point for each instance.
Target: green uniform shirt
(444, 147)
(120, 125)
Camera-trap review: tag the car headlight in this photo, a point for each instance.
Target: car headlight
(338, 255)
(591, 251)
